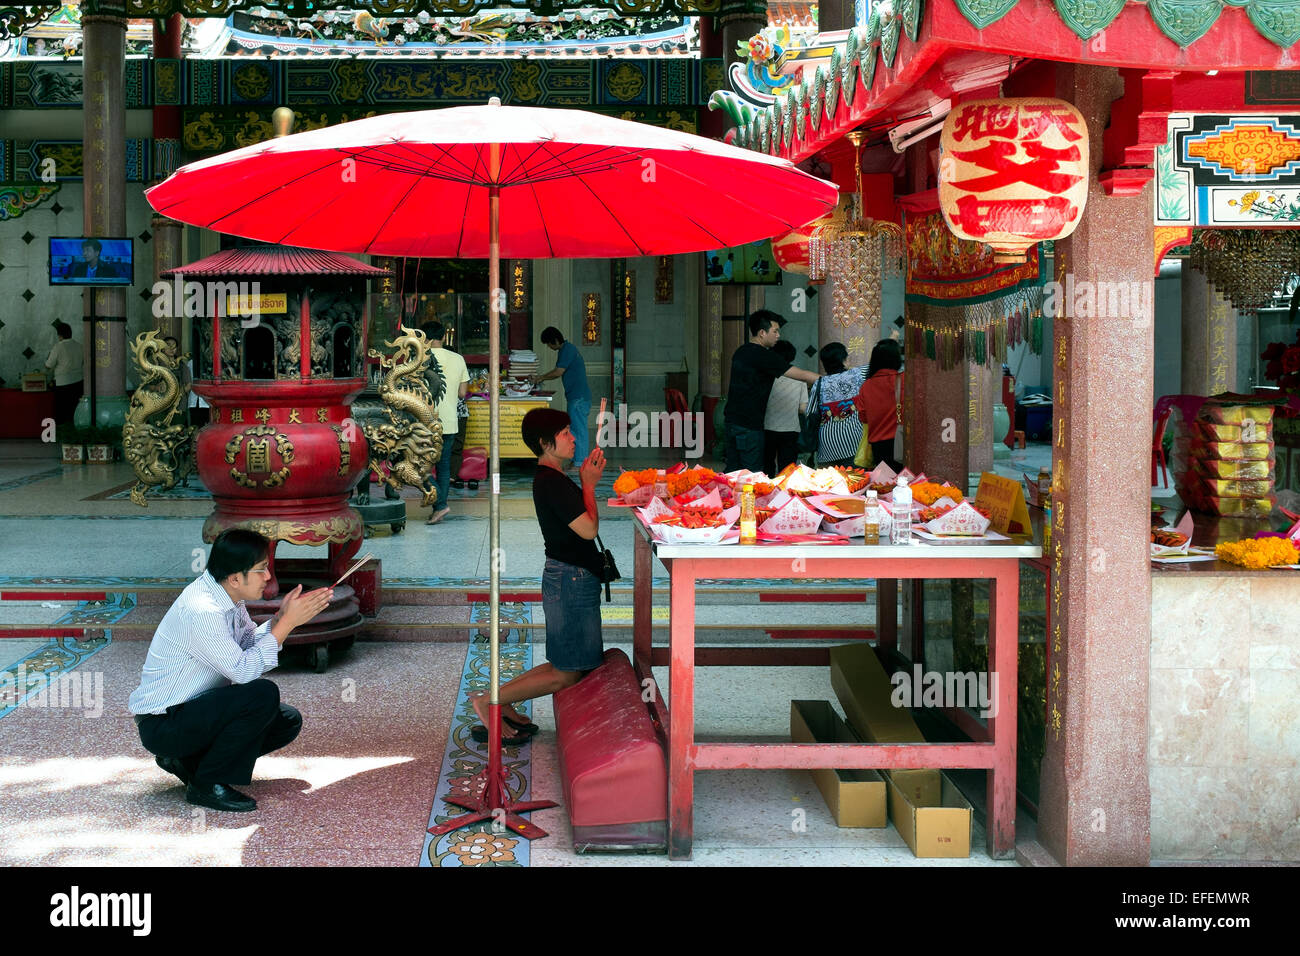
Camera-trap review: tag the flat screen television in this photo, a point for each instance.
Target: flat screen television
(91, 260)
(750, 264)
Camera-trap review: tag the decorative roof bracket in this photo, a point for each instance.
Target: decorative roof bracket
(1139, 124)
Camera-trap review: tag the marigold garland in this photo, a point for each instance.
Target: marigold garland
(1258, 553)
(928, 492)
(678, 484)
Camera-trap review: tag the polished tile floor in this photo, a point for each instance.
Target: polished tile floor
(357, 786)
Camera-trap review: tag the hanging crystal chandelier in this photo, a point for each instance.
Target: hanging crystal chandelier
(858, 253)
(1247, 266)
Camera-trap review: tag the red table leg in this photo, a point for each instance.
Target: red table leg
(887, 613)
(642, 594)
(1004, 646)
(681, 710)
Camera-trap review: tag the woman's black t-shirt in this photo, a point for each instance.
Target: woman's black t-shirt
(558, 501)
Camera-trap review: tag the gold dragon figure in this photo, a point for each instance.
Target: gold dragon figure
(155, 447)
(411, 441)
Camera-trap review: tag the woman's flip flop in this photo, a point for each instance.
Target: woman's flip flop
(480, 734)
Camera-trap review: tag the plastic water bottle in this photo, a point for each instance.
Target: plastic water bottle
(661, 484)
(871, 519)
(901, 530)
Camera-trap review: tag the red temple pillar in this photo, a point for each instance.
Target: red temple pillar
(1095, 798)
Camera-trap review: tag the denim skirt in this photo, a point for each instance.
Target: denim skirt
(571, 601)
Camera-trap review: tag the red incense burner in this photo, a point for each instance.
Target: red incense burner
(282, 453)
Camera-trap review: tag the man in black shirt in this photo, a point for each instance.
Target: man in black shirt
(754, 368)
(571, 578)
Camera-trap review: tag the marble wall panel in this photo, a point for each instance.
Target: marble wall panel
(1275, 624)
(1199, 718)
(1274, 729)
(1198, 623)
(1224, 731)
(1202, 814)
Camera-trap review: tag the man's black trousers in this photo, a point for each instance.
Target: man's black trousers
(220, 734)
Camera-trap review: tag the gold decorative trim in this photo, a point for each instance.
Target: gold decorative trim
(257, 457)
(335, 530)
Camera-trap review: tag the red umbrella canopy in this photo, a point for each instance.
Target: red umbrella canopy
(572, 184)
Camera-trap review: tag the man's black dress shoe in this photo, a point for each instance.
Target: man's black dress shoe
(173, 766)
(218, 796)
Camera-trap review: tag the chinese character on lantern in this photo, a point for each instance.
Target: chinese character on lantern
(1013, 172)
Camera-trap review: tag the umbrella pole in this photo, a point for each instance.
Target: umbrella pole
(494, 474)
(494, 802)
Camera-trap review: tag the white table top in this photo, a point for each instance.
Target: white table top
(919, 550)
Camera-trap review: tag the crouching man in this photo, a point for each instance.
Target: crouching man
(202, 707)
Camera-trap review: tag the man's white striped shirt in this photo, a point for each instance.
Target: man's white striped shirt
(205, 641)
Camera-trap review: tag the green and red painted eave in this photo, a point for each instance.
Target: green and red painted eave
(948, 51)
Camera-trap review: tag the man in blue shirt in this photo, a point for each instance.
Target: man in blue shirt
(577, 393)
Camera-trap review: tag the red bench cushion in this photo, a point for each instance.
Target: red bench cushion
(611, 761)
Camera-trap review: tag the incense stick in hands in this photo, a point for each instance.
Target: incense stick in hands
(348, 573)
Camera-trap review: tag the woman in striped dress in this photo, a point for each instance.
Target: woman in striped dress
(841, 429)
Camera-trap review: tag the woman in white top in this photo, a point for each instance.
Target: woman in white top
(787, 401)
(65, 360)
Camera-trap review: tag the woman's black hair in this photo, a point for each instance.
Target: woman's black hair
(552, 336)
(235, 551)
(540, 426)
(886, 355)
(833, 355)
(785, 350)
(63, 330)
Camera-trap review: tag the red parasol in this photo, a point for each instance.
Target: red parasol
(440, 183)
(572, 185)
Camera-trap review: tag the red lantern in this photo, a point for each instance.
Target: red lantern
(791, 250)
(1013, 172)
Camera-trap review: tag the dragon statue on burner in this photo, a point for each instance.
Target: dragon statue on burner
(158, 449)
(410, 442)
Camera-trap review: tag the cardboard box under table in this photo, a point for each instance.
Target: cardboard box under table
(856, 798)
(935, 823)
(864, 691)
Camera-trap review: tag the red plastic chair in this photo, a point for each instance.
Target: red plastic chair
(674, 401)
(1158, 446)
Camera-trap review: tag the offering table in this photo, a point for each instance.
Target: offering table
(994, 746)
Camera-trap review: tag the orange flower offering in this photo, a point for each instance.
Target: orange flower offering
(929, 514)
(857, 478)
(677, 484)
(928, 492)
(1258, 553)
(693, 518)
(1167, 539)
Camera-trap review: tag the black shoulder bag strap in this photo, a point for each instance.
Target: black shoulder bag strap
(609, 570)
